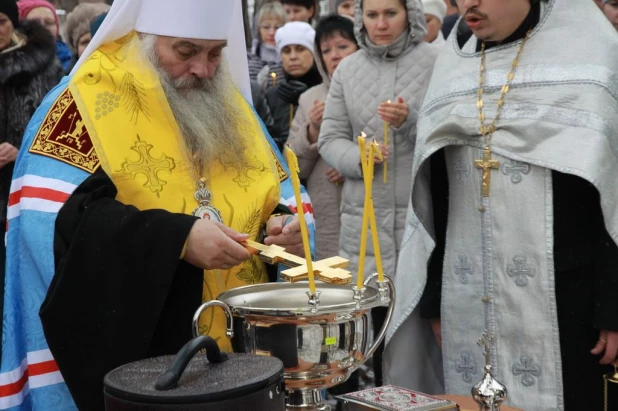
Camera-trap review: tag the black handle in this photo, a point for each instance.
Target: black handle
(170, 378)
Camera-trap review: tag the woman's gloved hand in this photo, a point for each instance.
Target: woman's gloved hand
(290, 91)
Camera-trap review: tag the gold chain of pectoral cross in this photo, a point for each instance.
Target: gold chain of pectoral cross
(487, 131)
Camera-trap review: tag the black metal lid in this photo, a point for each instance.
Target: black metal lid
(201, 382)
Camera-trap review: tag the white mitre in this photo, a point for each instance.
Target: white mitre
(194, 19)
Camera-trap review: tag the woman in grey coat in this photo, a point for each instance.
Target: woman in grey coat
(334, 40)
(393, 64)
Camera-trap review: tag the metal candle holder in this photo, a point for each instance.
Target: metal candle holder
(607, 379)
(320, 341)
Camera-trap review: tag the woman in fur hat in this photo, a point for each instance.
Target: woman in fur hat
(77, 27)
(45, 13)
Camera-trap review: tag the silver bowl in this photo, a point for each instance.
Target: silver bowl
(321, 340)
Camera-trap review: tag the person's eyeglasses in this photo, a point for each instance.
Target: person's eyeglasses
(270, 27)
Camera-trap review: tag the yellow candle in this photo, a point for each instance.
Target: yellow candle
(386, 126)
(372, 219)
(291, 115)
(274, 77)
(294, 170)
(365, 159)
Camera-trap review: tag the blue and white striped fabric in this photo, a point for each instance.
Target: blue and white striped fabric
(29, 376)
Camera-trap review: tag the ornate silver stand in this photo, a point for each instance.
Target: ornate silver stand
(320, 338)
(488, 393)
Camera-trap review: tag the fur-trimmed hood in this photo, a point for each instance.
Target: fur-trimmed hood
(36, 56)
(416, 32)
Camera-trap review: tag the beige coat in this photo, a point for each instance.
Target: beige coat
(325, 196)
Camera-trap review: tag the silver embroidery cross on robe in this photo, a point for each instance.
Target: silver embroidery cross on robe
(505, 254)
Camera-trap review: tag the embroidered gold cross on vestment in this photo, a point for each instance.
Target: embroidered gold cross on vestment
(149, 166)
(486, 164)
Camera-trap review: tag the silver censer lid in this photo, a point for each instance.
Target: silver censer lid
(488, 393)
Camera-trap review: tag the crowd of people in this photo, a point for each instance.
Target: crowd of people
(406, 73)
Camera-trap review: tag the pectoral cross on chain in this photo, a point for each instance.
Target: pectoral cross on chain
(486, 164)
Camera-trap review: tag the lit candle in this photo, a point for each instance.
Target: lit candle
(386, 126)
(291, 115)
(363, 244)
(372, 216)
(294, 170)
(274, 77)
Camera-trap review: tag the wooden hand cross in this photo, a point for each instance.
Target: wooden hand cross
(330, 270)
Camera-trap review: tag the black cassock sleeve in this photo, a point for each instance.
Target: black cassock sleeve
(586, 257)
(429, 304)
(120, 292)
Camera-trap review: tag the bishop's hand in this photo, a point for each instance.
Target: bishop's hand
(214, 246)
(284, 231)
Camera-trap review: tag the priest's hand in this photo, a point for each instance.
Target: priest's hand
(284, 231)
(607, 345)
(394, 113)
(214, 246)
(8, 154)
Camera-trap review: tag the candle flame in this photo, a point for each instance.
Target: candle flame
(377, 151)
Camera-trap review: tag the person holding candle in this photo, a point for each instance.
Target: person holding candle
(393, 63)
(295, 43)
(334, 41)
(264, 59)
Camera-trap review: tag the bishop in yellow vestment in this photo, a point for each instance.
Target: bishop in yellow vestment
(139, 178)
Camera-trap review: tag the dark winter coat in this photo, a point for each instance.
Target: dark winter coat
(26, 75)
(261, 107)
(280, 107)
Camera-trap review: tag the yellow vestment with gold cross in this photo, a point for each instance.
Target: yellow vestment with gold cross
(137, 142)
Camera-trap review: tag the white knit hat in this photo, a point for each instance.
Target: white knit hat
(435, 8)
(295, 32)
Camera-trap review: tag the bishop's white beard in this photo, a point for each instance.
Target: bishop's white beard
(203, 108)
